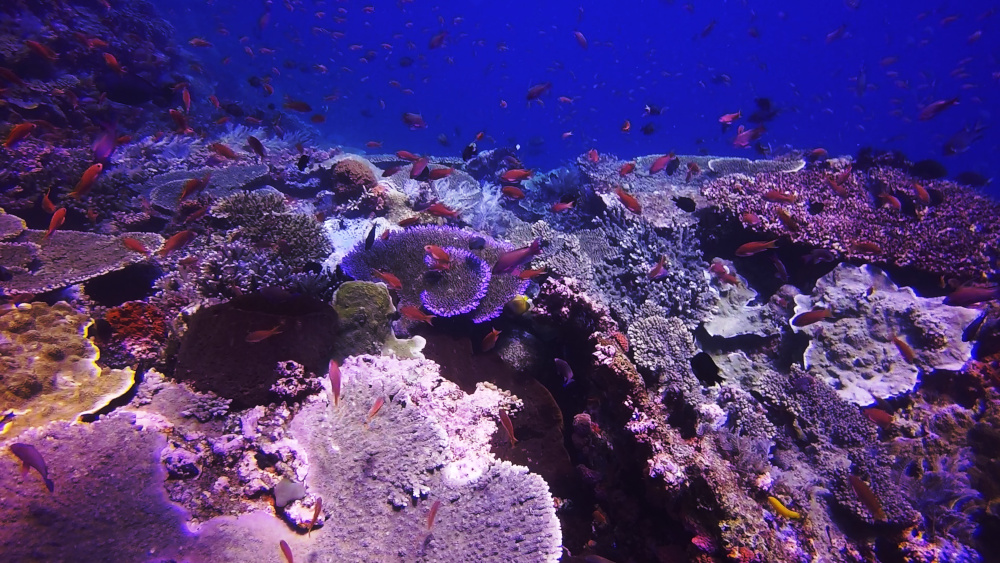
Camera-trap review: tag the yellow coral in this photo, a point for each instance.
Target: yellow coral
(49, 367)
(783, 510)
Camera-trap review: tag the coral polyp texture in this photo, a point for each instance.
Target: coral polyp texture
(881, 337)
(881, 215)
(49, 367)
(468, 285)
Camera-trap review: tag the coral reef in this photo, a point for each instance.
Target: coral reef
(882, 336)
(456, 290)
(49, 366)
(38, 263)
(880, 217)
(364, 310)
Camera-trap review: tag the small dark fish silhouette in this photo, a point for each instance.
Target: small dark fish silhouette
(303, 161)
(257, 146)
(370, 239)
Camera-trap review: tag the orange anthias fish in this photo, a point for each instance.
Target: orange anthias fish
(432, 514)
(58, 218)
(746, 136)
(439, 173)
(627, 126)
(286, 551)
(223, 151)
(730, 117)
(580, 39)
(512, 192)
(515, 175)
(375, 408)
(186, 98)
(659, 270)
(537, 90)
(135, 245)
(260, 335)
(751, 248)
(418, 167)
(335, 379)
(490, 340)
(30, 458)
(176, 242)
(931, 110)
(626, 169)
(41, 50)
(508, 426)
(18, 133)
(194, 185)
(112, 63)
(406, 155)
(390, 280)
(316, 512)
(437, 253)
(629, 201)
(810, 317)
(560, 206)
(510, 261)
(661, 163)
(775, 196)
(87, 181)
(867, 497)
(415, 314)
(442, 210)
(593, 156)
(47, 205)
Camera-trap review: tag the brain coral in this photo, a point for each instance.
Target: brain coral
(48, 368)
(466, 286)
(857, 352)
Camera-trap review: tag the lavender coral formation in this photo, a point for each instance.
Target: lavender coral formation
(879, 343)
(467, 286)
(881, 216)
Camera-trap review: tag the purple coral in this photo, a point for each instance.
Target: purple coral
(468, 288)
(458, 289)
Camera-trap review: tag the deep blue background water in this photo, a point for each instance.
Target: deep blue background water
(910, 53)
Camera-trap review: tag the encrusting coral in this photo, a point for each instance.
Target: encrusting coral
(48, 366)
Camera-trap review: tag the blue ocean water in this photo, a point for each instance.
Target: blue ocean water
(839, 75)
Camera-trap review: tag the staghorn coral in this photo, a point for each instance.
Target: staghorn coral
(856, 352)
(456, 290)
(67, 257)
(49, 367)
(933, 237)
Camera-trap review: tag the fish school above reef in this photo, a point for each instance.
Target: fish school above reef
(237, 345)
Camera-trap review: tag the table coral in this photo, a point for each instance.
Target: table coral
(862, 351)
(65, 258)
(49, 366)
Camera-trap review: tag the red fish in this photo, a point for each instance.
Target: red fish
(538, 90)
(407, 155)
(375, 408)
(437, 40)
(442, 210)
(810, 317)
(41, 50)
(286, 551)
(746, 136)
(626, 169)
(512, 192)
(866, 247)
(223, 151)
(47, 205)
(418, 167)
(775, 196)
(528, 274)
(629, 201)
(593, 156)
(214, 101)
(112, 63)
(58, 218)
(199, 42)
(878, 416)
(561, 206)
(261, 335)
(658, 271)
(510, 261)
(176, 242)
(30, 458)
(409, 221)
(334, 374)
(923, 196)
(580, 39)
(490, 340)
(257, 146)
(508, 426)
(515, 175)
(135, 245)
(661, 163)
(730, 117)
(186, 98)
(87, 180)
(867, 497)
(627, 126)
(970, 295)
(390, 279)
(18, 133)
(693, 170)
(414, 121)
(415, 314)
(194, 185)
(181, 121)
(931, 110)
(297, 105)
(439, 173)
(751, 248)
(317, 510)
(437, 253)
(432, 514)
